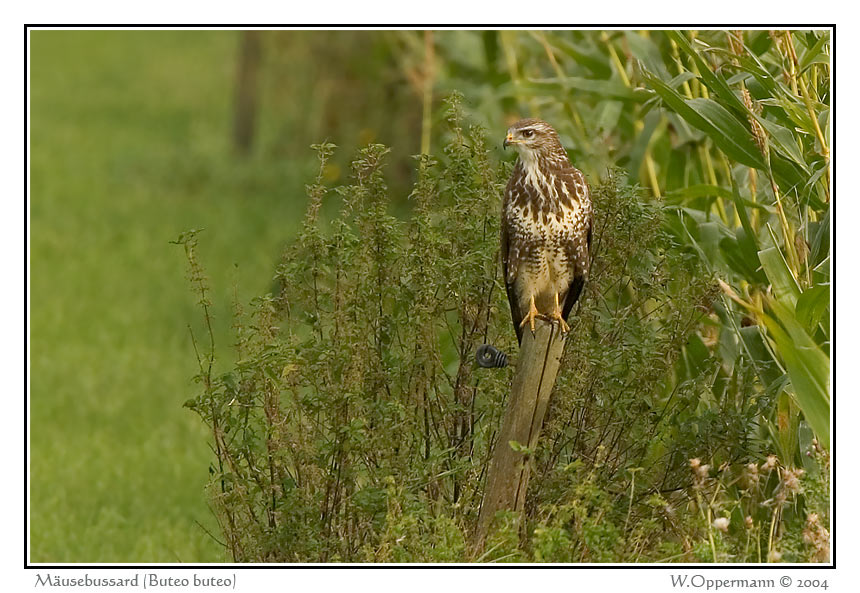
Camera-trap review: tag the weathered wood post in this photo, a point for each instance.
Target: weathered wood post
(534, 377)
(247, 93)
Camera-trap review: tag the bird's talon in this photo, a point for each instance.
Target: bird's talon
(557, 316)
(561, 322)
(531, 316)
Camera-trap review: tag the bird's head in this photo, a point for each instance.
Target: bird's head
(533, 138)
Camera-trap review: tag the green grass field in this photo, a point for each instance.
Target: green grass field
(130, 146)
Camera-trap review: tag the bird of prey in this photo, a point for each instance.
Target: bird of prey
(546, 228)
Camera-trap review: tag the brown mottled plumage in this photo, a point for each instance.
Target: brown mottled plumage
(546, 228)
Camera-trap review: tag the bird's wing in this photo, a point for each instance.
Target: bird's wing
(510, 263)
(578, 248)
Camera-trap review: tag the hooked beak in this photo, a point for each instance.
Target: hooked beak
(509, 139)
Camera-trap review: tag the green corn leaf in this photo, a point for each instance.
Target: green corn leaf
(791, 179)
(647, 52)
(726, 131)
(780, 137)
(731, 135)
(813, 54)
(750, 239)
(710, 117)
(701, 190)
(640, 144)
(784, 141)
(715, 83)
(685, 133)
(784, 284)
(749, 63)
(681, 79)
(767, 368)
(745, 257)
(819, 246)
(608, 114)
(778, 94)
(592, 60)
(605, 88)
(807, 365)
(812, 305)
(741, 259)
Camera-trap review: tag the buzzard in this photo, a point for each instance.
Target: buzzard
(546, 228)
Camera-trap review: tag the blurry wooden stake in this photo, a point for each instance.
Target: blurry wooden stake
(508, 477)
(427, 100)
(247, 95)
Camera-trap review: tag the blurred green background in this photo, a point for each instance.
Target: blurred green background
(131, 144)
(136, 136)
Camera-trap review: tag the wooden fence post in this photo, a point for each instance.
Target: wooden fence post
(534, 377)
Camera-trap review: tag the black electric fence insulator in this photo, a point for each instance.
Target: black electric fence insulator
(490, 357)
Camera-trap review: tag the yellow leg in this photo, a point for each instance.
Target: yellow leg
(531, 315)
(556, 316)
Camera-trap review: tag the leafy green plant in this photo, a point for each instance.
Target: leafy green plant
(355, 425)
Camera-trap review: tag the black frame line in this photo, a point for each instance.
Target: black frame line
(413, 26)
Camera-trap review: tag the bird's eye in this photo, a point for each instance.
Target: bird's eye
(528, 133)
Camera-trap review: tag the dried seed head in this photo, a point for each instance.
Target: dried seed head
(700, 472)
(759, 133)
(736, 42)
(721, 523)
(791, 480)
(751, 475)
(748, 522)
(777, 38)
(817, 536)
(770, 463)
